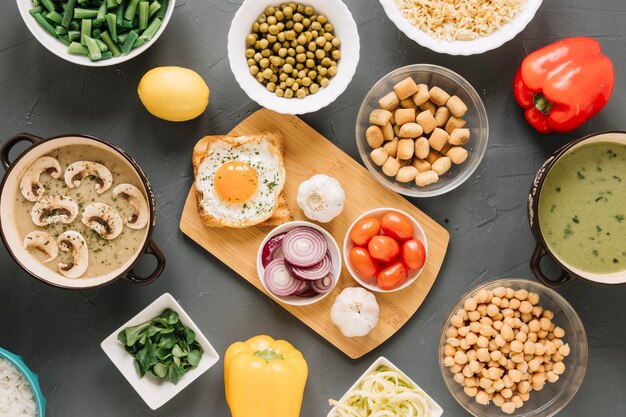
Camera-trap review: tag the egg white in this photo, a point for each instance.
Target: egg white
(271, 175)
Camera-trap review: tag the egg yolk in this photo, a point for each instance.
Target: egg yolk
(235, 182)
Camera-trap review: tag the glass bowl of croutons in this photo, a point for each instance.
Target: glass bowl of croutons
(422, 130)
(513, 347)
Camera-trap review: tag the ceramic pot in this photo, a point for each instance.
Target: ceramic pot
(13, 241)
(568, 271)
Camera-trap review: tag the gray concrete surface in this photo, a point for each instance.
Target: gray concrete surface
(59, 332)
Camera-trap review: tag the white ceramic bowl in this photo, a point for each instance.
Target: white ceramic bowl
(471, 47)
(335, 255)
(435, 409)
(378, 213)
(156, 393)
(345, 29)
(59, 49)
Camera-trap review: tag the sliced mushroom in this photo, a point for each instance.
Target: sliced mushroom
(43, 242)
(30, 186)
(135, 198)
(54, 209)
(79, 170)
(103, 219)
(73, 242)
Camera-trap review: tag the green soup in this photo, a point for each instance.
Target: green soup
(582, 207)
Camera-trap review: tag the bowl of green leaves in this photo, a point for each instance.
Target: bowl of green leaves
(160, 351)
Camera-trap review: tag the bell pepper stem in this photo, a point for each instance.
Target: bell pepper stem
(542, 103)
(268, 354)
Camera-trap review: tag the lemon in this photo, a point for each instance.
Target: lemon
(173, 93)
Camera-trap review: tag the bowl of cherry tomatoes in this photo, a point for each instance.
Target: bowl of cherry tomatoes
(385, 250)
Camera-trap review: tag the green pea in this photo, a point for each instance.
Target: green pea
(251, 62)
(255, 27)
(291, 52)
(271, 38)
(300, 49)
(283, 76)
(283, 85)
(289, 24)
(251, 39)
(306, 22)
(254, 70)
(316, 26)
(258, 56)
(326, 62)
(264, 43)
(309, 36)
(295, 86)
(271, 20)
(287, 68)
(301, 93)
(310, 63)
(281, 26)
(312, 75)
(328, 27)
(266, 53)
(332, 71)
(320, 41)
(281, 37)
(274, 78)
(288, 12)
(270, 10)
(310, 55)
(279, 15)
(329, 37)
(250, 53)
(322, 19)
(336, 54)
(259, 77)
(324, 82)
(314, 88)
(320, 54)
(301, 39)
(302, 58)
(275, 61)
(262, 18)
(282, 52)
(290, 60)
(290, 82)
(264, 63)
(297, 17)
(328, 47)
(279, 92)
(273, 30)
(271, 86)
(267, 73)
(321, 70)
(264, 27)
(308, 10)
(336, 42)
(299, 66)
(290, 35)
(289, 93)
(298, 27)
(306, 81)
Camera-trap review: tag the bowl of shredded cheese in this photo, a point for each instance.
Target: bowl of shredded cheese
(461, 27)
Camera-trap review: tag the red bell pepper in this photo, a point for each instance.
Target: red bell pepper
(564, 84)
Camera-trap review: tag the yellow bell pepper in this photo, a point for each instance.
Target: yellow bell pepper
(264, 377)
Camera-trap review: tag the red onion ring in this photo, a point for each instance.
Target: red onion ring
(304, 247)
(278, 280)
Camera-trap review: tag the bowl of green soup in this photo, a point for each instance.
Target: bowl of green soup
(577, 210)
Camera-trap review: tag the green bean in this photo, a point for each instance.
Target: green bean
(106, 55)
(130, 40)
(131, 10)
(96, 33)
(85, 13)
(76, 48)
(143, 15)
(108, 40)
(55, 17)
(112, 25)
(35, 10)
(73, 35)
(103, 46)
(112, 3)
(138, 43)
(74, 25)
(154, 7)
(85, 30)
(119, 14)
(151, 30)
(94, 50)
(60, 30)
(68, 13)
(64, 40)
(102, 11)
(45, 23)
(48, 4)
(161, 13)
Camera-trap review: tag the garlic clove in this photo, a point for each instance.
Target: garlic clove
(321, 198)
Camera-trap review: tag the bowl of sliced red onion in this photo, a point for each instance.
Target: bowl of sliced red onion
(299, 263)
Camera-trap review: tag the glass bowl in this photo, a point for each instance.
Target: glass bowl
(554, 396)
(476, 118)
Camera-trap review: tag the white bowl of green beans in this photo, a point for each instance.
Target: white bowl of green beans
(96, 33)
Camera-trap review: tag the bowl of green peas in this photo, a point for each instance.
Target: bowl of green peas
(96, 33)
(292, 57)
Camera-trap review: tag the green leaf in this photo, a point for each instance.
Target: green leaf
(167, 341)
(178, 352)
(152, 330)
(170, 315)
(190, 336)
(134, 333)
(176, 360)
(194, 357)
(121, 336)
(175, 373)
(159, 370)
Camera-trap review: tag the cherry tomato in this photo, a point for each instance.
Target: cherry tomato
(364, 230)
(383, 248)
(390, 277)
(397, 225)
(413, 254)
(362, 262)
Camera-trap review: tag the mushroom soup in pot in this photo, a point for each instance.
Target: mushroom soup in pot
(81, 211)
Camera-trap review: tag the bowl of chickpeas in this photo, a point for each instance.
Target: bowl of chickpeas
(513, 347)
(422, 130)
(292, 57)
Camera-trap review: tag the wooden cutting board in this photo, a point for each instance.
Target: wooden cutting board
(308, 153)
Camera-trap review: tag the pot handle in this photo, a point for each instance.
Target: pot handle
(154, 250)
(535, 267)
(8, 145)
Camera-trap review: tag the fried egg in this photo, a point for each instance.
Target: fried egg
(240, 183)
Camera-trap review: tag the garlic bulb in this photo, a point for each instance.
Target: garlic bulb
(321, 198)
(355, 311)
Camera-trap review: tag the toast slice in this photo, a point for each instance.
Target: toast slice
(205, 149)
